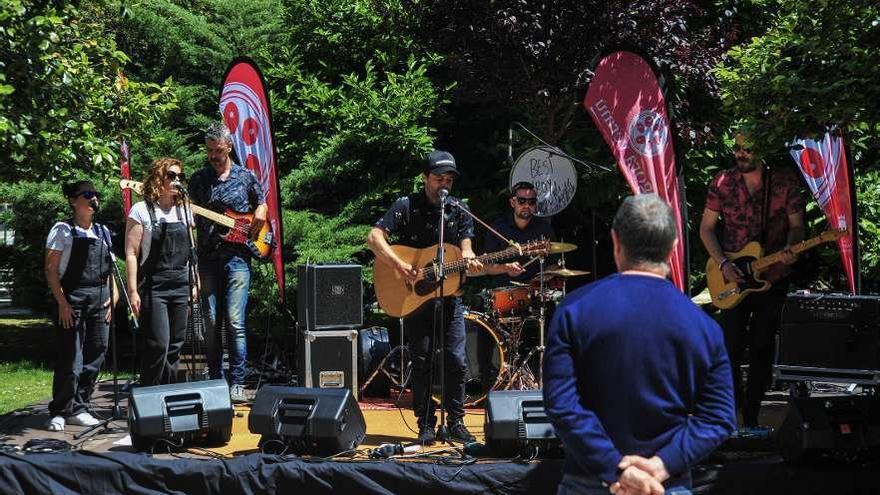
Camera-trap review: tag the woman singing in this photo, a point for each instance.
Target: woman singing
(78, 272)
(156, 260)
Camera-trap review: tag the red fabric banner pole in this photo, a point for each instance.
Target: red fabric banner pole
(824, 166)
(627, 105)
(125, 173)
(244, 104)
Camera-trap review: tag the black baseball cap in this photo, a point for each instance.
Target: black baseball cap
(440, 162)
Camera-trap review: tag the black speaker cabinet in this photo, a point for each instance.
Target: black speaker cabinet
(329, 297)
(816, 425)
(180, 412)
(831, 335)
(306, 420)
(516, 424)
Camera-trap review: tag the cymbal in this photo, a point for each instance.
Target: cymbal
(561, 247)
(565, 272)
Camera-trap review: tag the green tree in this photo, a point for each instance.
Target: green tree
(64, 99)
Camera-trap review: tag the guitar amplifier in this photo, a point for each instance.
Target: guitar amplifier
(827, 336)
(329, 297)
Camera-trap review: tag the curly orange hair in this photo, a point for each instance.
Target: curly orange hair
(154, 185)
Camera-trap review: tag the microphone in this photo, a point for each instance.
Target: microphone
(387, 450)
(443, 192)
(93, 203)
(176, 184)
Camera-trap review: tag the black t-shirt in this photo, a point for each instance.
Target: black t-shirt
(413, 221)
(538, 228)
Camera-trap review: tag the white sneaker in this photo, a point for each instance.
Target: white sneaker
(83, 419)
(236, 394)
(56, 423)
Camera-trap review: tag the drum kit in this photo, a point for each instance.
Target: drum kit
(500, 334)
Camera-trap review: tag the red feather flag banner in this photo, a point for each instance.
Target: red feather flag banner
(627, 105)
(125, 173)
(244, 104)
(824, 167)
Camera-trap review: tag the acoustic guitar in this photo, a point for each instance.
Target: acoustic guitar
(398, 297)
(238, 225)
(752, 262)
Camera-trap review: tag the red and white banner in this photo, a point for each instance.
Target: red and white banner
(125, 173)
(823, 165)
(244, 104)
(627, 105)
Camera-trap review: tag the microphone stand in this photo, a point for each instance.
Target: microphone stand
(116, 411)
(442, 431)
(196, 323)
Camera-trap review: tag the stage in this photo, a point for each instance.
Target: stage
(102, 463)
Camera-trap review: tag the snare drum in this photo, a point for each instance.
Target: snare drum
(508, 301)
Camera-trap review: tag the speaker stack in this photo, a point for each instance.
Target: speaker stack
(830, 338)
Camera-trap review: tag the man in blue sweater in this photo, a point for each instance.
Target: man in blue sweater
(637, 381)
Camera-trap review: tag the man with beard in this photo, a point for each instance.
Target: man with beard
(753, 204)
(225, 268)
(520, 226)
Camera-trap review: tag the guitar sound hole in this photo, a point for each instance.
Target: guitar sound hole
(425, 287)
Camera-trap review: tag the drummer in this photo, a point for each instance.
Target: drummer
(520, 225)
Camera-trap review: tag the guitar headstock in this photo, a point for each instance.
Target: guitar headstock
(833, 235)
(539, 247)
(134, 185)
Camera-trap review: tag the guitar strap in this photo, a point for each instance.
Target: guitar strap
(765, 207)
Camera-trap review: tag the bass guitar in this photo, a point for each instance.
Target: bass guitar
(238, 225)
(751, 262)
(399, 297)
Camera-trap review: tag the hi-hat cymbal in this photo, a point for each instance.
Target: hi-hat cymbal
(565, 272)
(561, 247)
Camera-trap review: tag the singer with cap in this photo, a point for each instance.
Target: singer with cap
(156, 262)
(77, 270)
(413, 221)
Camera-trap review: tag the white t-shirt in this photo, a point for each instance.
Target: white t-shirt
(61, 239)
(140, 214)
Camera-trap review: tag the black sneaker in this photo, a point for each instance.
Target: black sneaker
(458, 432)
(426, 434)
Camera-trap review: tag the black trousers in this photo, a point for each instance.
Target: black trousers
(419, 327)
(163, 321)
(753, 323)
(81, 352)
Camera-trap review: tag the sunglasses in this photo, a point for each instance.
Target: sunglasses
(522, 201)
(175, 175)
(89, 194)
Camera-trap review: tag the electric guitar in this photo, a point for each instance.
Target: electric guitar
(751, 262)
(399, 297)
(238, 225)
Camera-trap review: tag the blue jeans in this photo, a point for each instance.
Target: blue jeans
(585, 485)
(225, 284)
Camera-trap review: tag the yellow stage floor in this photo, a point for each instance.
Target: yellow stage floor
(383, 426)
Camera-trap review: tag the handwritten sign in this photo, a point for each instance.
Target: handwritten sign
(552, 174)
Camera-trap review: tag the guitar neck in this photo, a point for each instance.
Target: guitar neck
(461, 265)
(213, 215)
(766, 261)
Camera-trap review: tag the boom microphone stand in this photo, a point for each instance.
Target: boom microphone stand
(195, 334)
(442, 431)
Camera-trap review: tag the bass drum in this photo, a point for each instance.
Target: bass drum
(484, 357)
(373, 347)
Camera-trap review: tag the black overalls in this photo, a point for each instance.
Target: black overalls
(82, 347)
(164, 290)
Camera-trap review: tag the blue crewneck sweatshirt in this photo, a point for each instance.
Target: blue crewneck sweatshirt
(632, 366)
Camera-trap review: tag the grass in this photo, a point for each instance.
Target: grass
(23, 383)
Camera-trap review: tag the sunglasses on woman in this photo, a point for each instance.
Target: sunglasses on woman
(89, 194)
(175, 175)
(522, 201)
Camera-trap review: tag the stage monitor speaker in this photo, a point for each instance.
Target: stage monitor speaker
(180, 412)
(832, 334)
(310, 421)
(848, 424)
(516, 424)
(329, 297)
